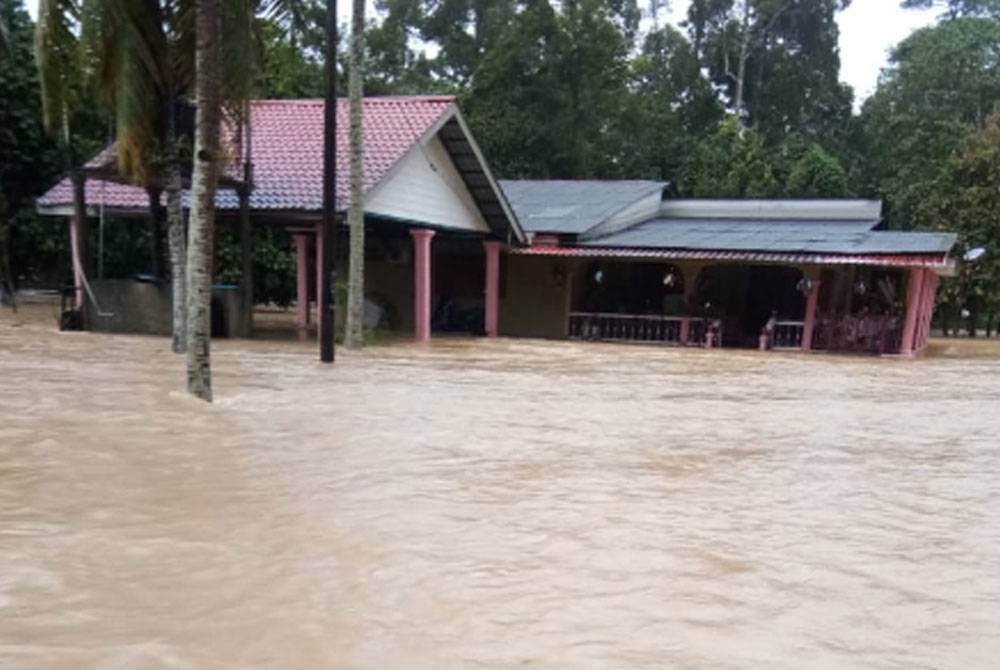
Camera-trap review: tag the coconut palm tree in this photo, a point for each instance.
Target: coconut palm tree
(208, 123)
(356, 212)
(57, 55)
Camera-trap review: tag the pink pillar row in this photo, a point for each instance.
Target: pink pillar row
(810, 322)
(74, 245)
(302, 280)
(914, 298)
(422, 283)
(492, 287)
(320, 305)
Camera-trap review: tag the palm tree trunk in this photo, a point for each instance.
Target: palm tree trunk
(178, 259)
(208, 31)
(356, 213)
(79, 181)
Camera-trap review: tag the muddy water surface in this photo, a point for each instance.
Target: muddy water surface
(499, 504)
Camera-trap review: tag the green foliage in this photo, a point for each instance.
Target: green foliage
(784, 52)
(286, 71)
(956, 8)
(730, 163)
(944, 81)
(273, 267)
(545, 101)
(817, 174)
(30, 161)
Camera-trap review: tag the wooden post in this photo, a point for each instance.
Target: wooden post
(914, 293)
(80, 239)
(492, 297)
(301, 280)
(327, 240)
(810, 321)
(320, 249)
(422, 283)
(246, 260)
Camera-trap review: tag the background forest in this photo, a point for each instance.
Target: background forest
(743, 99)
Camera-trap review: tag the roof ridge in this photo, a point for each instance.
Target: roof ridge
(377, 99)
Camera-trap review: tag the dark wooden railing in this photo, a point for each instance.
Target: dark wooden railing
(611, 327)
(865, 334)
(787, 335)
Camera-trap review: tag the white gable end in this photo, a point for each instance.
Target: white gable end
(425, 187)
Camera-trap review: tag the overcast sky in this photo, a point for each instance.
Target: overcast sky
(867, 30)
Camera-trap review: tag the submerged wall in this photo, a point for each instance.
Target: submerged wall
(143, 308)
(535, 296)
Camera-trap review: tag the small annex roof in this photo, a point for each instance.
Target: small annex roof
(799, 231)
(287, 157)
(846, 237)
(573, 207)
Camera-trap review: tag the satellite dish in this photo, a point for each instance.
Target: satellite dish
(973, 255)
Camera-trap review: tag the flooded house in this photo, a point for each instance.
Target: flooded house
(450, 248)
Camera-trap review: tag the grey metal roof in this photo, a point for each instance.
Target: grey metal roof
(572, 207)
(846, 237)
(790, 209)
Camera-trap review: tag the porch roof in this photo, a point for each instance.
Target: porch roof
(852, 237)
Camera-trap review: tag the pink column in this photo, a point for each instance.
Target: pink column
(685, 334)
(74, 245)
(927, 309)
(320, 305)
(302, 280)
(914, 294)
(810, 322)
(492, 286)
(422, 282)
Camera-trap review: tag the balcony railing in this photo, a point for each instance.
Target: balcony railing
(611, 327)
(787, 335)
(859, 334)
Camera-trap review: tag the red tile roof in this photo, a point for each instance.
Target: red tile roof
(288, 153)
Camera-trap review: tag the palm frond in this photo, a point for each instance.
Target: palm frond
(4, 38)
(57, 57)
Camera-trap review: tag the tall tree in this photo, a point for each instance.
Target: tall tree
(817, 174)
(545, 102)
(670, 107)
(777, 61)
(143, 64)
(354, 337)
(207, 161)
(941, 85)
(731, 163)
(956, 8)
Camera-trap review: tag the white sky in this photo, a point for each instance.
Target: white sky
(867, 30)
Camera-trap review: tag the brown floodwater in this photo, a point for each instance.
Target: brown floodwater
(495, 504)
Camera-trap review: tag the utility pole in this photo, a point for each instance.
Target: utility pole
(329, 237)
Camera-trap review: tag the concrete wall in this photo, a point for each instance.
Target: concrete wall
(535, 296)
(146, 309)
